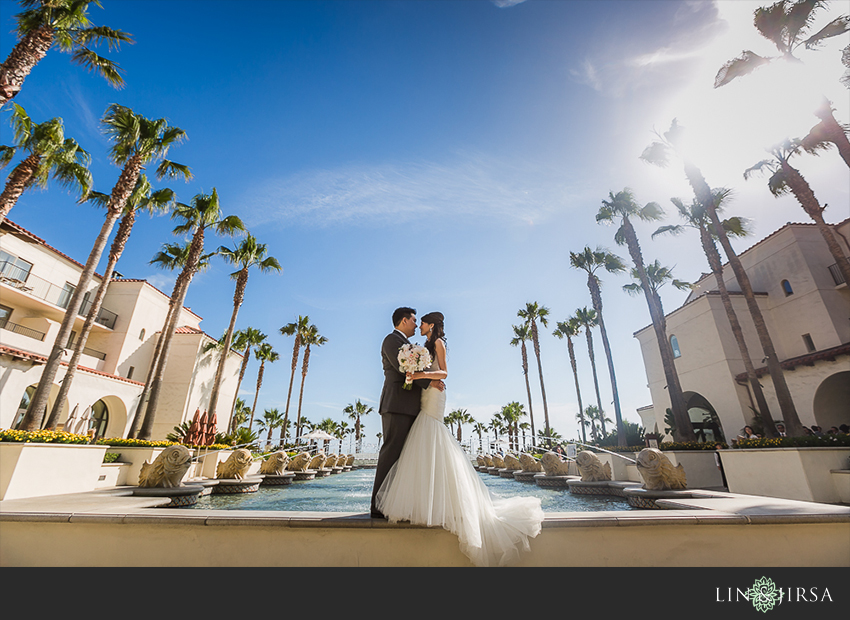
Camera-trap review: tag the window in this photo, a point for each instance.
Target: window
(24, 405)
(786, 287)
(674, 343)
(14, 267)
(5, 313)
(99, 418)
(65, 295)
(142, 334)
(130, 372)
(810, 344)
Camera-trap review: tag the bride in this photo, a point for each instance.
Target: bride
(433, 482)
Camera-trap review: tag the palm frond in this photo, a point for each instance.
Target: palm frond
(99, 34)
(172, 169)
(7, 154)
(673, 229)
(657, 154)
(105, 67)
(745, 64)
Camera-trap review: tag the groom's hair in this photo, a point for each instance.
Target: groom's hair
(402, 313)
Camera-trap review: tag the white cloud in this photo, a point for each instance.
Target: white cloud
(503, 4)
(466, 186)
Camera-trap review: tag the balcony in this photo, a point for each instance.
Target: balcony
(837, 276)
(20, 329)
(15, 277)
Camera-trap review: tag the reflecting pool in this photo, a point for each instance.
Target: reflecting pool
(352, 491)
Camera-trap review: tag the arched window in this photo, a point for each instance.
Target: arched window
(674, 343)
(142, 334)
(99, 418)
(24, 405)
(786, 287)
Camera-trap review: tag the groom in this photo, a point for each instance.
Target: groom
(398, 407)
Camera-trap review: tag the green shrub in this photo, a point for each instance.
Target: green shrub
(42, 436)
(111, 457)
(807, 441)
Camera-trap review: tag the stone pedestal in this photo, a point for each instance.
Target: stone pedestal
(230, 486)
(278, 479)
(336, 470)
(553, 482)
(323, 473)
(493, 471)
(639, 497)
(507, 473)
(180, 496)
(525, 476)
(308, 474)
(601, 487)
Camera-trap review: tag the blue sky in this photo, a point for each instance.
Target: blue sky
(446, 155)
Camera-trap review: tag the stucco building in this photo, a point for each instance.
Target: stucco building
(806, 305)
(36, 283)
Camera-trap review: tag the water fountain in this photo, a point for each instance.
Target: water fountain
(273, 469)
(163, 478)
(231, 475)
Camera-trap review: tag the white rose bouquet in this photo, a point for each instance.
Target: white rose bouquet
(413, 358)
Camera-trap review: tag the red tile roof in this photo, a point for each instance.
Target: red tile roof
(35, 357)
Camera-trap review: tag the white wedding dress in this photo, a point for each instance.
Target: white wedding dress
(433, 483)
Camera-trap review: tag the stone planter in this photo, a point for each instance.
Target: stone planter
(38, 469)
(700, 467)
(112, 475)
(789, 473)
(134, 457)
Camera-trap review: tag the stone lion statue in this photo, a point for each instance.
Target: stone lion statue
(330, 461)
(167, 469)
(275, 464)
(529, 463)
(236, 465)
(498, 461)
(658, 472)
(512, 462)
(349, 460)
(591, 468)
(482, 462)
(299, 462)
(553, 465)
(317, 462)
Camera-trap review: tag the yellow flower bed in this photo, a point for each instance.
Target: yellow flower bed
(41, 436)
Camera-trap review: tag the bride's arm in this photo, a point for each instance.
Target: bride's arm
(434, 375)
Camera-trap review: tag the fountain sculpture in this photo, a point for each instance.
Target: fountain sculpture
(273, 469)
(163, 478)
(232, 474)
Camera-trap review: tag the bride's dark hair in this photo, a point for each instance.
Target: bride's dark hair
(437, 332)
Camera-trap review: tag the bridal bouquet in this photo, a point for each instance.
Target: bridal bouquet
(413, 358)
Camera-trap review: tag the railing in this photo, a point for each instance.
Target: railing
(42, 289)
(837, 276)
(24, 331)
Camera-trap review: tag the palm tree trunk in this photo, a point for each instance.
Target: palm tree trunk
(596, 297)
(536, 342)
(182, 287)
(593, 367)
(783, 394)
(118, 244)
(38, 405)
(295, 349)
(238, 297)
(17, 182)
(301, 392)
(806, 197)
(527, 386)
(578, 390)
(684, 428)
(242, 368)
(257, 393)
(23, 57)
(716, 265)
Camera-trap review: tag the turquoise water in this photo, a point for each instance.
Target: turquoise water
(352, 491)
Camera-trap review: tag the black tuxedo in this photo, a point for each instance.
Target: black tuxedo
(398, 409)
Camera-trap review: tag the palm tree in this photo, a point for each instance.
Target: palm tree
(695, 216)
(272, 419)
(356, 413)
(522, 334)
(786, 24)
(143, 198)
(201, 214)
(595, 414)
(583, 423)
(331, 427)
(524, 426)
(587, 318)
(241, 413)
(311, 338)
(591, 261)
(461, 416)
(264, 353)
(480, 428)
(828, 131)
(136, 142)
(619, 209)
(659, 153)
(243, 341)
(569, 329)
(531, 314)
(511, 414)
(172, 256)
(64, 23)
(50, 154)
(248, 253)
(784, 179)
(298, 329)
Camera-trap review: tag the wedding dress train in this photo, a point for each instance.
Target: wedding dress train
(433, 483)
